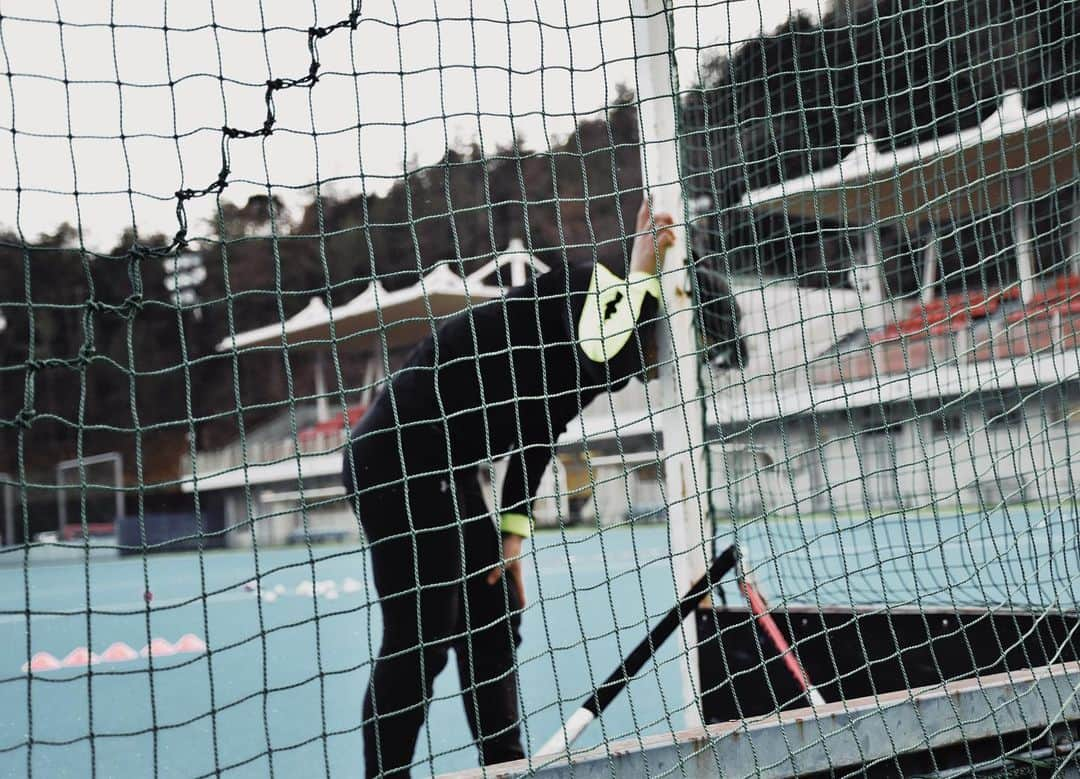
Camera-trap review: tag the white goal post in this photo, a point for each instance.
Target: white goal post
(685, 478)
(110, 463)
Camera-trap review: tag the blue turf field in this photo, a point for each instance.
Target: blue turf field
(184, 691)
(280, 678)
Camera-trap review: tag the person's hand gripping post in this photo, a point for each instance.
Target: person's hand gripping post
(653, 236)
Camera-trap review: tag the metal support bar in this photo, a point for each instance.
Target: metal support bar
(1021, 225)
(322, 403)
(372, 371)
(1073, 264)
(9, 509)
(836, 736)
(930, 268)
(868, 279)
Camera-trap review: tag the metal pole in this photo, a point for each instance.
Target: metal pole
(1021, 225)
(61, 499)
(322, 403)
(9, 509)
(593, 706)
(519, 263)
(870, 281)
(118, 480)
(1073, 265)
(685, 475)
(930, 267)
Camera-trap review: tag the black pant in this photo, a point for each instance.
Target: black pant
(430, 566)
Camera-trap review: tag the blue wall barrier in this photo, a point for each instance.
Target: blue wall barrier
(169, 533)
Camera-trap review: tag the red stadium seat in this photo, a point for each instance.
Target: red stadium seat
(1068, 284)
(331, 425)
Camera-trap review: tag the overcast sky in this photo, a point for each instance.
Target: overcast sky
(469, 67)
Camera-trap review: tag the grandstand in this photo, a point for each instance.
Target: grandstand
(936, 398)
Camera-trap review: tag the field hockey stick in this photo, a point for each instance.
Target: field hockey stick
(765, 618)
(594, 705)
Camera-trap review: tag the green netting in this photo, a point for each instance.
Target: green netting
(224, 230)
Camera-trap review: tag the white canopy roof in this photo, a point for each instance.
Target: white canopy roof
(402, 316)
(967, 172)
(953, 380)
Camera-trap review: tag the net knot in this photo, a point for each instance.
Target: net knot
(25, 418)
(86, 354)
(140, 252)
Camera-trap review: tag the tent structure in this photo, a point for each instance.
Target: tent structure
(969, 172)
(378, 317)
(379, 320)
(1010, 159)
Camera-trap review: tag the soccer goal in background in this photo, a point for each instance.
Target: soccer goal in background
(849, 547)
(91, 489)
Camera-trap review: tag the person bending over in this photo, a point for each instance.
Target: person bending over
(501, 380)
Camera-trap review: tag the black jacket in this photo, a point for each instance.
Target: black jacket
(502, 379)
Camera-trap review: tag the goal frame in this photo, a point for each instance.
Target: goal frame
(683, 420)
(78, 463)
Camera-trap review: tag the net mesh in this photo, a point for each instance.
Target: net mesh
(224, 229)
